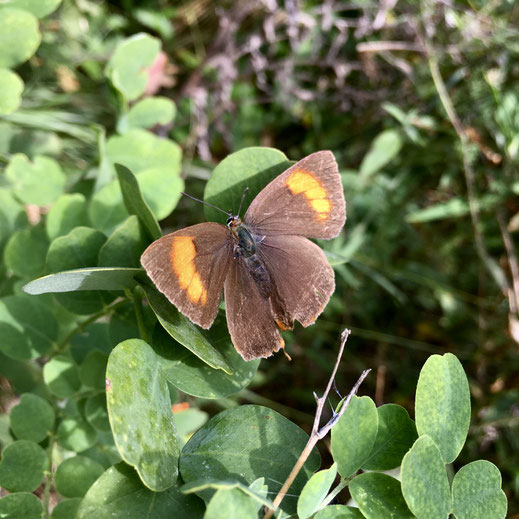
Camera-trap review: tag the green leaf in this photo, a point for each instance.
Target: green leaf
(27, 327)
(32, 419)
(75, 476)
(424, 481)
(25, 252)
(251, 167)
(140, 413)
(38, 8)
(442, 407)
(314, 492)
(75, 434)
(79, 248)
(476, 492)
(12, 215)
(68, 212)
(379, 495)
(396, 435)
(22, 466)
(125, 246)
(147, 113)
(19, 38)
(188, 421)
(236, 504)
(245, 443)
(39, 182)
(184, 331)
(383, 150)
(139, 150)
(127, 68)
(66, 509)
(61, 376)
(339, 512)
(135, 203)
(354, 435)
(21, 505)
(11, 87)
(194, 377)
(96, 412)
(103, 278)
(92, 370)
(120, 494)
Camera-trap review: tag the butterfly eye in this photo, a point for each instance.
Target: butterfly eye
(229, 220)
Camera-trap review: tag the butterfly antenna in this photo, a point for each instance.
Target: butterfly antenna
(242, 199)
(206, 203)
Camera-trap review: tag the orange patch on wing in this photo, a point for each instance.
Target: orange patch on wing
(183, 255)
(305, 182)
(281, 325)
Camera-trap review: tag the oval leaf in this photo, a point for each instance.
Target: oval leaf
(75, 476)
(147, 113)
(11, 87)
(21, 504)
(139, 408)
(383, 149)
(339, 512)
(442, 405)
(424, 481)
(69, 211)
(19, 38)
(315, 491)
(354, 435)
(32, 419)
(22, 466)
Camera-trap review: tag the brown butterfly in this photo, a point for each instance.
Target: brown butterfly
(271, 273)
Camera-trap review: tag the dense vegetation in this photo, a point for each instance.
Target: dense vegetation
(417, 100)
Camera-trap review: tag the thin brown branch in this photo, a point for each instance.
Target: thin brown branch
(317, 434)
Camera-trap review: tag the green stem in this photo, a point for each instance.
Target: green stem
(81, 326)
(343, 483)
(48, 478)
(137, 304)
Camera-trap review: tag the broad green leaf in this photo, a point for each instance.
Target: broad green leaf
(38, 8)
(66, 508)
(442, 406)
(194, 377)
(79, 248)
(135, 203)
(39, 182)
(354, 435)
(32, 419)
(75, 434)
(103, 278)
(147, 113)
(19, 37)
(139, 150)
(251, 167)
(127, 68)
(314, 492)
(69, 211)
(125, 246)
(75, 476)
(424, 481)
(93, 337)
(384, 148)
(140, 413)
(339, 512)
(476, 492)
(61, 376)
(22, 505)
(396, 435)
(92, 370)
(27, 327)
(25, 252)
(379, 495)
(245, 443)
(12, 215)
(11, 87)
(236, 504)
(22, 466)
(184, 331)
(120, 494)
(106, 210)
(96, 412)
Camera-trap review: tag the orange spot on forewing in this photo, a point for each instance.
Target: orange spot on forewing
(306, 183)
(183, 255)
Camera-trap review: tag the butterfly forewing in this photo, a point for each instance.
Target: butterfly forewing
(306, 200)
(189, 267)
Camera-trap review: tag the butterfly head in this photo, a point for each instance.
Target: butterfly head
(233, 222)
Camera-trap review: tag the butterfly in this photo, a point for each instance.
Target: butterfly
(271, 273)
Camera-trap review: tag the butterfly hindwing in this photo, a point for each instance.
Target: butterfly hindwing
(189, 267)
(306, 200)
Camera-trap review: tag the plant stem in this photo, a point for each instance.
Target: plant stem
(48, 478)
(317, 434)
(137, 305)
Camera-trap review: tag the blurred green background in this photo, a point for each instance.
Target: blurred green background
(419, 103)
